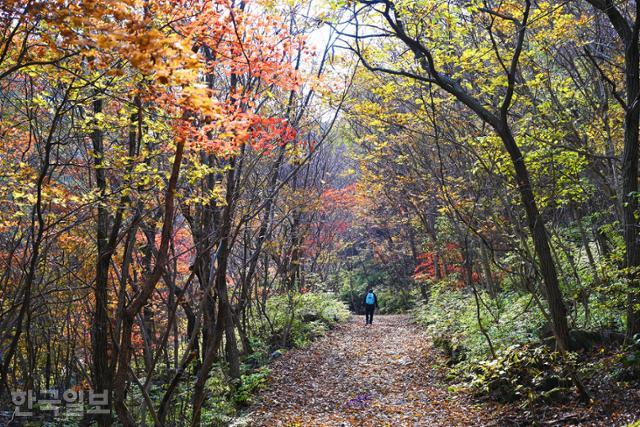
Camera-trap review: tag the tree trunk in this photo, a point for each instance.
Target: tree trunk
(144, 293)
(101, 377)
(630, 181)
(486, 270)
(231, 345)
(628, 34)
(538, 231)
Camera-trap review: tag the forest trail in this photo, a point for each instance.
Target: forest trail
(381, 375)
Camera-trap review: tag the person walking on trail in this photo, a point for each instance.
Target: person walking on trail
(370, 304)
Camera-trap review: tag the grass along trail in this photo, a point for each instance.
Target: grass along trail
(358, 375)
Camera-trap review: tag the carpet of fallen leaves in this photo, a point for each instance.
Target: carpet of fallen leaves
(358, 375)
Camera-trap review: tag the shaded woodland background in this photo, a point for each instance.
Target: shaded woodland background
(189, 188)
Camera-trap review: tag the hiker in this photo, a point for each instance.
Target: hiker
(370, 304)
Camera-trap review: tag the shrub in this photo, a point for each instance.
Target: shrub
(296, 320)
(249, 385)
(393, 301)
(451, 319)
(218, 407)
(535, 374)
(628, 365)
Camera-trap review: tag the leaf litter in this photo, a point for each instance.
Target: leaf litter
(385, 374)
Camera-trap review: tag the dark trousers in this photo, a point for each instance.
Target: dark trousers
(368, 313)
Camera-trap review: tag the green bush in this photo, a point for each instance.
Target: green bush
(352, 294)
(451, 318)
(249, 385)
(296, 320)
(218, 407)
(392, 301)
(536, 374)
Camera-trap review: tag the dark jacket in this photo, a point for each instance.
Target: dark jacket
(375, 298)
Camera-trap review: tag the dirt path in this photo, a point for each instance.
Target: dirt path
(380, 375)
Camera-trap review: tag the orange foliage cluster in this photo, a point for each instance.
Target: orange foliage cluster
(426, 267)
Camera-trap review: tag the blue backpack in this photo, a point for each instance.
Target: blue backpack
(371, 299)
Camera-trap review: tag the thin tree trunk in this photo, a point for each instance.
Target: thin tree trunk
(147, 288)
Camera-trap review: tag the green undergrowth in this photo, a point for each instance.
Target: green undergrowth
(523, 366)
(451, 318)
(532, 374)
(295, 321)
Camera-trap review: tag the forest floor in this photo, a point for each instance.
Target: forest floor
(389, 374)
(384, 374)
